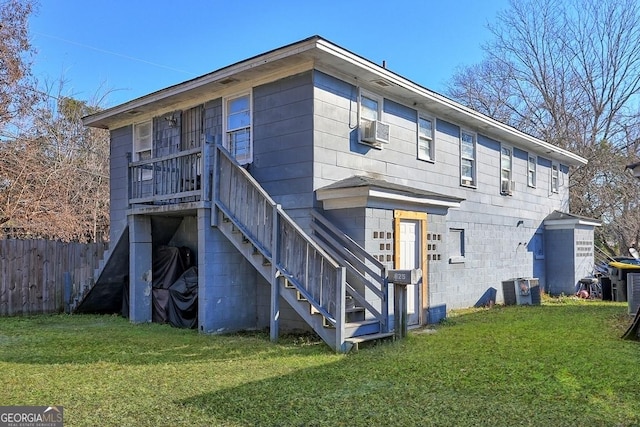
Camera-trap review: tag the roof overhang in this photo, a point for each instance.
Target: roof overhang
(565, 221)
(316, 52)
(363, 192)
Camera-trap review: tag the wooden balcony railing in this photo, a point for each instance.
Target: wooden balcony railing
(175, 178)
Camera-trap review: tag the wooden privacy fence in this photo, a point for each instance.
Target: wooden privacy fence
(33, 274)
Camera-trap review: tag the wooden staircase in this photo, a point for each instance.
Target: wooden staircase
(299, 269)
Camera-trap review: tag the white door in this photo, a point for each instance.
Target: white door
(410, 258)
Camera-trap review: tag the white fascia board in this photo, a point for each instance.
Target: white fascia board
(565, 224)
(432, 96)
(425, 201)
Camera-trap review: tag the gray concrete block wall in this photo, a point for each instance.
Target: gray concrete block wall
(497, 228)
(282, 140)
(227, 282)
(337, 157)
(583, 252)
(121, 144)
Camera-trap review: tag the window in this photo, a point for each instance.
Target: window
(372, 131)
(554, 177)
(467, 158)
(506, 161)
(370, 108)
(531, 172)
(425, 138)
(237, 113)
(142, 147)
(191, 128)
(456, 245)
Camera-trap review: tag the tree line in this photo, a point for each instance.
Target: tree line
(54, 172)
(568, 72)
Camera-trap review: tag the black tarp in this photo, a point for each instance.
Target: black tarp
(175, 288)
(182, 307)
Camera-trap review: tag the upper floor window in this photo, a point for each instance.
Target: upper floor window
(143, 146)
(425, 138)
(370, 107)
(531, 171)
(467, 158)
(555, 177)
(237, 127)
(372, 130)
(506, 170)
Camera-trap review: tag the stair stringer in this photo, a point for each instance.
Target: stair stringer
(262, 264)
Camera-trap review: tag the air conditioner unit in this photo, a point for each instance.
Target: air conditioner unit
(521, 291)
(374, 132)
(507, 187)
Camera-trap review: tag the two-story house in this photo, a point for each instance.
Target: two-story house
(299, 177)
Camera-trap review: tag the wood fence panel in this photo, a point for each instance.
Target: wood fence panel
(32, 273)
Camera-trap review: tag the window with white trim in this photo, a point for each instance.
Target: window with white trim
(237, 127)
(467, 158)
(370, 107)
(555, 177)
(506, 170)
(532, 167)
(143, 146)
(426, 137)
(456, 245)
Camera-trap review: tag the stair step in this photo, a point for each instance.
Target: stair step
(300, 296)
(356, 341)
(361, 327)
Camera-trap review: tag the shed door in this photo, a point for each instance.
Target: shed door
(410, 257)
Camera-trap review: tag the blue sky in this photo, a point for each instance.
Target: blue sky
(131, 48)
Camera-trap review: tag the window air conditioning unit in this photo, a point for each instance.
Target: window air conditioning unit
(375, 133)
(507, 187)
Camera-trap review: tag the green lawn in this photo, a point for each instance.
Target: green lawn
(559, 364)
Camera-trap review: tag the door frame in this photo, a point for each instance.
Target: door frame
(421, 217)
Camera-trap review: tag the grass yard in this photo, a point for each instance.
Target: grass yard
(559, 364)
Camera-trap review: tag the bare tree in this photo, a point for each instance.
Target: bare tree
(16, 94)
(54, 181)
(568, 72)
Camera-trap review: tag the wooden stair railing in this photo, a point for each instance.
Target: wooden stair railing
(289, 251)
(364, 272)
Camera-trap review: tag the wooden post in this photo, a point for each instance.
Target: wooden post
(384, 305)
(274, 320)
(215, 190)
(204, 172)
(400, 310)
(341, 292)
